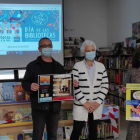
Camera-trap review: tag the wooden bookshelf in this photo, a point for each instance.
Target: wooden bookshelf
(61, 123)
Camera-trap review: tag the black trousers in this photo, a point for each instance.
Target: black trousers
(42, 117)
(78, 126)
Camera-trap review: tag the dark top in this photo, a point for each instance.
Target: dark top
(35, 68)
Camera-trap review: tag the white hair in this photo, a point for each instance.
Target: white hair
(87, 43)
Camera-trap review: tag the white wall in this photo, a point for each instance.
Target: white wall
(88, 18)
(120, 16)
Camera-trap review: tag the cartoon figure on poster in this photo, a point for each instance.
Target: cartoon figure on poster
(135, 109)
(29, 25)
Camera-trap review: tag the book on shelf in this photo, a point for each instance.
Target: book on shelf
(69, 115)
(19, 93)
(68, 63)
(76, 52)
(68, 131)
(122, 104)
(60, 133)
(26, 113)
(8, 137)
(68, 52)
(117, 63)
(18, 117)
(28, 134)
(9, 91)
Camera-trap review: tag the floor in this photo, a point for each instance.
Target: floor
(123, 128)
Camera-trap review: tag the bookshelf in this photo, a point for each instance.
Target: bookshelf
(18, 127)
(117, 66)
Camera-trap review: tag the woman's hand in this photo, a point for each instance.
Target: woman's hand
(76, 83)
(123, 89)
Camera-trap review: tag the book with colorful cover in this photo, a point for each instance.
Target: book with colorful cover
(9, 114)
(26, 112)
(133, 102)
(19, 93)
(8, 137)
(28, 134)
(69, 115)
(27, 96)
(18, 117)
(9, 91)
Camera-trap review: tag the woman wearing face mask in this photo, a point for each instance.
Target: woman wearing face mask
(133, 76)
(90, 91)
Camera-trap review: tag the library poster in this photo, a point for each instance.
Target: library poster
(29, 25)
(55, 87)
(133, 102)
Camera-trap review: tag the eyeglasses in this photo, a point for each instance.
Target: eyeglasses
(46, 46)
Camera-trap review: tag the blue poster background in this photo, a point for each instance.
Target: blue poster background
(29, 25)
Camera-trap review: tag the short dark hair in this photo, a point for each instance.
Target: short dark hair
(136, 58)
(43, 39)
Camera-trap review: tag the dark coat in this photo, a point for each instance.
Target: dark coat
(34, 69)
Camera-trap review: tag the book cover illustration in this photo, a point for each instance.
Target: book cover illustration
(68, 131)
(9, 114)
(28, 134)
(68, 53)
(60, 133)
(27, 96)
(136, 30)
(30, 25)
(133, 102)
(55, 87)
(26, 112)
(9, 91)
(8, 137)
(19, 93)
(18, 117)
(62, 87)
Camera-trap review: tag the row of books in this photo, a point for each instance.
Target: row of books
(72, 52)
(15, 115)
(117, 77)
(104, 129)
(118, 63)
(66, 115)
(69, 62)
(13, 91)
(122, 103)
(24, 115)
(114, 100)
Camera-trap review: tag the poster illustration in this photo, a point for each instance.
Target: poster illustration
(55, 87)
(133, 102)
(29, 25)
